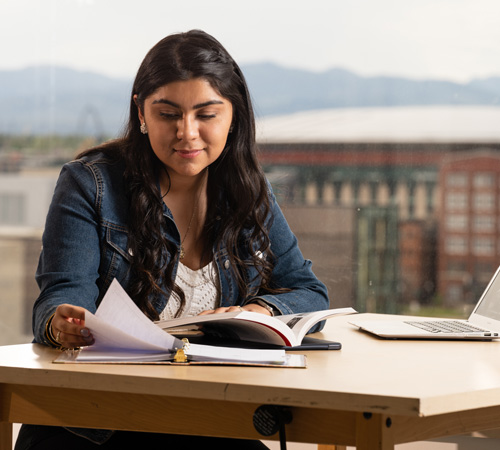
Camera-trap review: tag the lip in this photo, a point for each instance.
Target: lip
(188, 154)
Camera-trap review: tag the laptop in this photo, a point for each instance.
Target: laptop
(482, 324)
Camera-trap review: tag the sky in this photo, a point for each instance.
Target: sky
(456, 40)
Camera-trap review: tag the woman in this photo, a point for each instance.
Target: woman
(178, 211)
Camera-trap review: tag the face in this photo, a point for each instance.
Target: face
(188, 124)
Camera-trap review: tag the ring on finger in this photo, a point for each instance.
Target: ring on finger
(58, 335)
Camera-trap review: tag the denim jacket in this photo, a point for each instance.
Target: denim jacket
(85, 248)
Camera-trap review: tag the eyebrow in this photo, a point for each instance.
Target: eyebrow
(197, 106)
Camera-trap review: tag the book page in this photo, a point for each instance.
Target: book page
(245, 329)
(301, 323)
(110, 339)
(120, 324)
(244, 325)
(123, 333)
(287, 330)
(212, 353)
(72, 357)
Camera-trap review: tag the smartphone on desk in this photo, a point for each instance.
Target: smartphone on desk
(310, 343)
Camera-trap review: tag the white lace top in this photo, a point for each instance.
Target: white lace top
(200, 290)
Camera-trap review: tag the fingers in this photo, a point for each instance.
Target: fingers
(223, 309)
(68, 327)
(252, 307)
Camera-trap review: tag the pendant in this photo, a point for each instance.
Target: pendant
(182, 252)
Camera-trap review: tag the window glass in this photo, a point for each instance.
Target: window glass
(456, 245)
(456, 201)
(484, 246)
(484, 223)
(484, 180)
(12, 209)
(455, 293)
(484, 201)
(458, 180)
(386, 164)
(457, 222)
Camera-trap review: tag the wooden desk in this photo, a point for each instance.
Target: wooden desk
(372, 394)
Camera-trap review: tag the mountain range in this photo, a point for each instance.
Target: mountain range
(60, 100)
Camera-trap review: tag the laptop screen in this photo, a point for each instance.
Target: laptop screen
(489, 305)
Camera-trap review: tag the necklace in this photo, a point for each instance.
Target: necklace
(182, 251)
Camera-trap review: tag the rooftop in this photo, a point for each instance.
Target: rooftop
(450, 124)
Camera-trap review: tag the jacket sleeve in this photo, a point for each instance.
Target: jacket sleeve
(292, 271)
(69, 261)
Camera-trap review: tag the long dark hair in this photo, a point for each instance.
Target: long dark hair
(238, 198)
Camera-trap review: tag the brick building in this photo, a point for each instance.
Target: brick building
(469, 224)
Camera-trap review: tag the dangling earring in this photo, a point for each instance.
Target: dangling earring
(144, 128)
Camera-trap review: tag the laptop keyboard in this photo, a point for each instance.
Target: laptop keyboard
(447, 326)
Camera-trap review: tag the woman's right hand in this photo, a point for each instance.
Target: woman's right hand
(68, 327)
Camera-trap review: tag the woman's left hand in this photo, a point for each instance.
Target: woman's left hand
(253, 307)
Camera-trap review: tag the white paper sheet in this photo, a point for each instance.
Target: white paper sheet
(120, 327)
(119, 323)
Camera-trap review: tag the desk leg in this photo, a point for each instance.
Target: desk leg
(374, 432)
(5, 436)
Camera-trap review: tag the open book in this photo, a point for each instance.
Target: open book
(123, 334)
(283, 331)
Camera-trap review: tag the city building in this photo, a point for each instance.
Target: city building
(24, 200)
(381, 160)
(469, 224)
(25, 197)
(19, 248)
